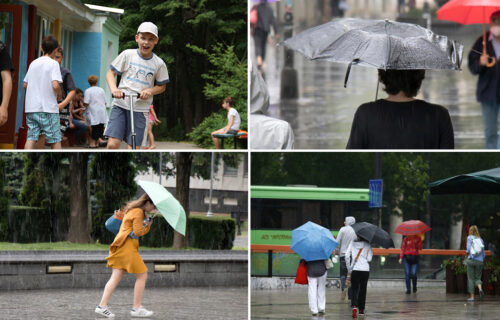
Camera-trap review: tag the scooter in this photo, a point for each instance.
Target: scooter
(131, 105)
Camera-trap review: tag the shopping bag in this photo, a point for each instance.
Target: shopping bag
(301, 277)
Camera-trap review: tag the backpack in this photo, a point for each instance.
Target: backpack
(476, 247)
(254, 18)
(114, 222)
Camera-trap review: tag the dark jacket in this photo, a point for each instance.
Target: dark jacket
(488, 84)
(266, 18)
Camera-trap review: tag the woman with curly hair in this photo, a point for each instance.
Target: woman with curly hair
(400, 121)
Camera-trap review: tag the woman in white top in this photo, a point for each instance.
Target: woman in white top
(233, 121)
(358, 273)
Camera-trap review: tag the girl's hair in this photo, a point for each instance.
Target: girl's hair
(229, 100)
(93, 79)
(139, 203)
(473, 231)
(408, 81)
(78, 91)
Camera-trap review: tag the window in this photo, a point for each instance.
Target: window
(230, 171)
(45, 26)
(67, 44)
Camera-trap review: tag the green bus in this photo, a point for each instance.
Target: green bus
(276, 211)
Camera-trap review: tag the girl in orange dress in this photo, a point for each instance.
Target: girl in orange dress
(124, 256)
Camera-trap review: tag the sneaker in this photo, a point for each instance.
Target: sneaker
(354, 313)
(314, 314)
(321, 313)
(414, 290)
(470, 300)
(343, 295)
(408, 292)
(141, 312)
(104, 311)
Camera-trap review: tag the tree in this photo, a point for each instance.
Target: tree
(183, 164)
(79, 227)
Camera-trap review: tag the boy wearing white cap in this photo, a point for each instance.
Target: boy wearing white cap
(141, 72)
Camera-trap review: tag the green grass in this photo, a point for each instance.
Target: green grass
(68, 246)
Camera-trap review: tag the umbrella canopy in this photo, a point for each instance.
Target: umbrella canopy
(481, 182)
(313, 242)
(468, 11)
(382, 44)
(166, 204)
(373, 234)
(412, 227)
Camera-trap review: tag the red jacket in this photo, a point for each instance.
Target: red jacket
(410, 246)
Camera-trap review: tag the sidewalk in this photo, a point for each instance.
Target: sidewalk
(166, 303)
(381, 303)
(160, 145)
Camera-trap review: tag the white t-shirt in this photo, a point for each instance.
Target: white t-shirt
(137, 74)
(237, 119)
(40, 96)
(96, 110)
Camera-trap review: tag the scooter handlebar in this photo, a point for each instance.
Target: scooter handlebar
(124, 94)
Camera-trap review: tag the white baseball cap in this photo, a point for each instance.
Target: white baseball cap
(148, 27)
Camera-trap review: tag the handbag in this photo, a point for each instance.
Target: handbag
(328, 263)
(301, 277)
(411, 259)
(114, 222)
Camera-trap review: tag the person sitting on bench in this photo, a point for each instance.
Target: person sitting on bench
(233, 121)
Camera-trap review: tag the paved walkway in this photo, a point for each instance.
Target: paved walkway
(427, 303)
(160, 145)
(167, 303)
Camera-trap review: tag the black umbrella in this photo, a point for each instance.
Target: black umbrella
(481, 182)
(373, 234)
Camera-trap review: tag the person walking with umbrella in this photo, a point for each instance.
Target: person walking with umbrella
(345, 236)
(357, 258)
(410, 247)
(314, 244)
(475, 255)
(124, 255)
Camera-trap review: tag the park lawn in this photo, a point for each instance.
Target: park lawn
(64, 245)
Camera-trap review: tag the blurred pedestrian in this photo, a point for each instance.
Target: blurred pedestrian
(344, 238)
(475, 260)
(409, 257)
(400, 121)
(358, 257)
(487, 92)
(124, 256)
(265, 20)
(316, 277)
(77, 109)
(68, 92)
(6, 69)
(153, 120)
(95, 114)
(401, 6)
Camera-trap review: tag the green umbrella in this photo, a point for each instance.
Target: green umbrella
(481, 182)
(166, 204)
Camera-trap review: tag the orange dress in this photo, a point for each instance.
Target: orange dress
(124, 251)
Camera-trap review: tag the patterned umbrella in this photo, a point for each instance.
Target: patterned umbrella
(412, 227)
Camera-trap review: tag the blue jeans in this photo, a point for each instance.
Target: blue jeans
(80, 129)
(490, 117)
(410, 273)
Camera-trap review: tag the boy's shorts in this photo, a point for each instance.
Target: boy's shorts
(119, 125)
(47, 123)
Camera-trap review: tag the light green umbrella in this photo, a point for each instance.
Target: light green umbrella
(166, 204)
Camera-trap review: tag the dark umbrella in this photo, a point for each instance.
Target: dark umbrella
(481, 182)
(382, 44)
(373, 234)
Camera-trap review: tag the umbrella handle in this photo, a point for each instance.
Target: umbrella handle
(493, 59)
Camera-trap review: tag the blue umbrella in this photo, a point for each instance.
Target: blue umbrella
(313, 242)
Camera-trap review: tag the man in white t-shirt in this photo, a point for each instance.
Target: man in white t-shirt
(141, 72)
(233, 121)
(42, 93)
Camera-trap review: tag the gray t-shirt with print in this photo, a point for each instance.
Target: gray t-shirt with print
(137, 74)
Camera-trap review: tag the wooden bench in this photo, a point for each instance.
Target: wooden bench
(235, 137)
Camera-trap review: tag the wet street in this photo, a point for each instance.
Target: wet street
(167, 303)
(381, 303)
(321, 117)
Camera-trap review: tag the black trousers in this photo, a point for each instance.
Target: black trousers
(260, 38)
(343, 276)
(359, 280)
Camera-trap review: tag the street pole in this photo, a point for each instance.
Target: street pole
(209, 213)
(378, 175)
(159, 169)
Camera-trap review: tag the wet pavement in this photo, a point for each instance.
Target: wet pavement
(321, 117)
(167, 303)
(381, 303)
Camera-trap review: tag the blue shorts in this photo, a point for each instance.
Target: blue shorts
(119, 125)
(43, 122)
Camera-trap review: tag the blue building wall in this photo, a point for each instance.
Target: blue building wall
(86, 57)
(23, 67)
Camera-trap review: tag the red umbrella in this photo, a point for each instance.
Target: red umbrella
(470, 12)
(412, 227)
